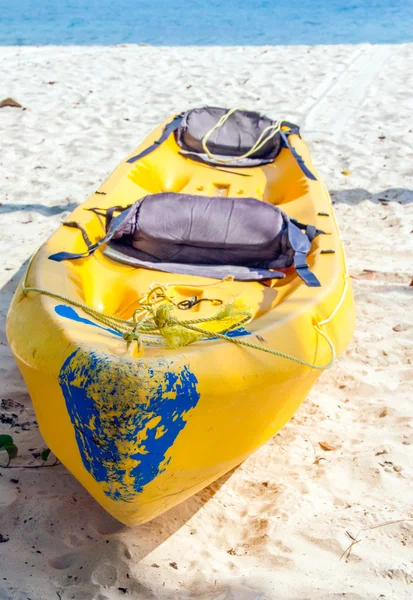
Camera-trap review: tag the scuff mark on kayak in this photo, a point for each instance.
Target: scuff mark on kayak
(126, 417)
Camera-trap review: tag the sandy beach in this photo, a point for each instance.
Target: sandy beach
(277, 526)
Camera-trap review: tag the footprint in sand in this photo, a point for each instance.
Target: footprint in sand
(105, 574)
(62, 562)
(106, 525)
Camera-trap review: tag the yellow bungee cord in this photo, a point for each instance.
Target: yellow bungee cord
(265, 137)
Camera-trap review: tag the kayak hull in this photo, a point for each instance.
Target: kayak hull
(144, 430)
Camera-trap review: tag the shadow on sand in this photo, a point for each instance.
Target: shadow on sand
(75, 514)
(356, 195)
(46, 211)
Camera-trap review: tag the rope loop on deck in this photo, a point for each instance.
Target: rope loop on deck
(154, 316)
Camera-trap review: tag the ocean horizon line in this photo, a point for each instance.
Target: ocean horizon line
(235, 22)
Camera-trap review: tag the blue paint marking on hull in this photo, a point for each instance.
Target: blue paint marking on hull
(235, 333)
(126, 417)
(69, 313)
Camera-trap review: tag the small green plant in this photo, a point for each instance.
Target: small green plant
(45, 454)
(7, 444)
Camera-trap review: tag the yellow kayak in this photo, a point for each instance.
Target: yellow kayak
(142, 422)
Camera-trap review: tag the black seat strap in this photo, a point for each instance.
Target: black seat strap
(310, 230)
(301, 244)
(113, 225)
(169, 129)
(108, 213)
(82, 229)
(298, 157)
(303, 270)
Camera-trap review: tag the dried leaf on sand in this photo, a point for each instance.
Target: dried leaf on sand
(326, 446)
(10, 102)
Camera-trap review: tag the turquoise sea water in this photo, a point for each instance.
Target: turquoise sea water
(204, 22)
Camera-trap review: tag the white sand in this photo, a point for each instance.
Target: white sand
(277, 525)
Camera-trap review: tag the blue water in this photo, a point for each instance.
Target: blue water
(204, 22)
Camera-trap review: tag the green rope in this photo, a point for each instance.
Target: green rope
(176, 332)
